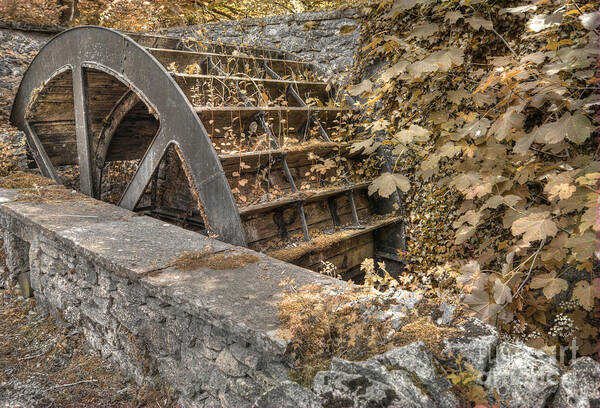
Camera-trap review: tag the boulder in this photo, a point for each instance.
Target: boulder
(422, 366)
(475, 345)
(580, 386)
(522, 376)
(403, 377)
(288, 395)
(337, 389)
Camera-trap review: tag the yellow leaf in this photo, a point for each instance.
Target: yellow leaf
(586, 293)
(534, 226)
(387, 183)
(551, 285)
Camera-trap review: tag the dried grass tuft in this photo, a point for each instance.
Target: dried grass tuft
(21, 179)
(189, 261)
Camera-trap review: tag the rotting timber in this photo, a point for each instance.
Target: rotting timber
(245, 144)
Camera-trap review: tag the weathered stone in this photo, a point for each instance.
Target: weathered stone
(209, 402)
(370, 368)
(474, 345)
(422, 367)
(331, 45)
(409, 392)
(404, 298)
(444, 315)
(369, 383)
(522, 377)
(244, 355)
(352, 390)
(88, 271)
(288, 395)
(580, 386)
(16, 257)
(229, 365)
(232, 400)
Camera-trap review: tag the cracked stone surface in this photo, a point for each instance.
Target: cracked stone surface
(580, 386)
(523, 377)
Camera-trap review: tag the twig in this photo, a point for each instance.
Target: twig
(505, 42)
(71, 384)
(530, 268)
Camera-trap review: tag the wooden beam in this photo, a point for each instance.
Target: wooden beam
(83, 130)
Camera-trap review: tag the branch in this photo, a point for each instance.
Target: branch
(530, 268)
(71, 384)
(505, 42)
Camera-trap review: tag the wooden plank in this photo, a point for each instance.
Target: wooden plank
(83, 131)
(283, 121)
(243, 64)
(297, 156)
(263, 228)
(345, 256)
(218, 90)
(326, 241)
(301, 196)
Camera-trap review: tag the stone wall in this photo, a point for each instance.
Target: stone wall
(19, 43)
(328, 39)
(208, 332)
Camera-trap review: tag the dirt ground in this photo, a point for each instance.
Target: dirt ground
(45, 365)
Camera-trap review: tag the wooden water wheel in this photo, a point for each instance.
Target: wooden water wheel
(247, 144)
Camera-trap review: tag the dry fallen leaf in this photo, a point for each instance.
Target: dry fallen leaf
(535, 226)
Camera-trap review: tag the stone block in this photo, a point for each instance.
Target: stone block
(288, 395)
(523, 377)
(245, 355)
(229, 365)
(580, 385)
(475, 344)
(418, 362)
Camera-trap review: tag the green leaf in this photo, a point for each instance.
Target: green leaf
(360, 89)
(560, 185)
(582, 246)
(519, 9)
(576, 128)
(395, 70)
(590, 21)
(424, 30)
(368, 146)
(540, 22)
(475, 129)
(446, 58)
(479, 302)
(453, 16)
(511, 119)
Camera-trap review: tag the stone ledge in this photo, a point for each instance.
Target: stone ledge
(31, 28)
(111, 272)
(279, 19)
